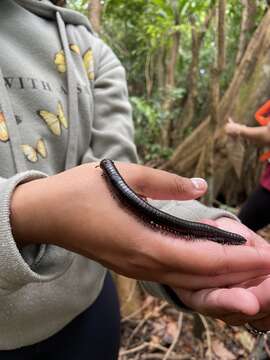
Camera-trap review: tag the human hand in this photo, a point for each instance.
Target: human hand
(233, 129)
(76, 210)
(243, 302)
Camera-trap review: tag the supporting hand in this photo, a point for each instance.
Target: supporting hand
(76, 210)
(240, 303)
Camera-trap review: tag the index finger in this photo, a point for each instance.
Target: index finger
(159, 184)
(208, 258)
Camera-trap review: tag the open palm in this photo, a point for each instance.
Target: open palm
(236, 304)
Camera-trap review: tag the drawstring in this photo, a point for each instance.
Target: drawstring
(13, 131)
(71, 155)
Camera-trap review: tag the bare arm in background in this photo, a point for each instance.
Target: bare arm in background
(258, 134)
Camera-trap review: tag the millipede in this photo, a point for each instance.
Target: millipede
(161, 220)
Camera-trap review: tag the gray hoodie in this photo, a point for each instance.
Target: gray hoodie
(63, 102)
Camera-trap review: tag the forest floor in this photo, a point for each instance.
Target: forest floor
(157, 331)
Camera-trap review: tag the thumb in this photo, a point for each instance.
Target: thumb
(162, 185)
(218, 302)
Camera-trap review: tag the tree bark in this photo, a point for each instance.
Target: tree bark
(189, 107)
(172, 58)
(216, 73)
(160, 73)
(221, 35)
(95, 12)
(187, 114)
(148, 71)
(247, 26)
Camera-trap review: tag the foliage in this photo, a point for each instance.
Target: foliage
(78, 5)
(148, 118)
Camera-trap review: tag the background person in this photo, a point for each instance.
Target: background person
(255, 213)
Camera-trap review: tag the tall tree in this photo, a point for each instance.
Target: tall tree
(95, 12)
(247, 25)
(197, 38)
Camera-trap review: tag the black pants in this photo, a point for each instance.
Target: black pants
(93, 335)
(255, 213)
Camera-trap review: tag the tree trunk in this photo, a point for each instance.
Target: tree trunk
(221, 35)
(95, 11)
(148, 75)
(172, 58)
(249, 89)
(189, 105)
(160, 74)
(247, 26)
(215, 99)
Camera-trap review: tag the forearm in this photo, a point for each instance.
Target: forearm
(258, 135)
(28, 214)
(22, 212)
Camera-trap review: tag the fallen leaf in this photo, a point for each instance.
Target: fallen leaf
(155, 340)
(172, 329)
(222, 352)
(246, 339)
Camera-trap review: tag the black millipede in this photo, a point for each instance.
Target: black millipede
(161, 220)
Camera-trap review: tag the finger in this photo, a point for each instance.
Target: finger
(198, 282)
(221, 302)
(211, 259)
(162, 185)
(227, 224)
(262, 292)
(230, 120)
(260, 288)
(237, 227)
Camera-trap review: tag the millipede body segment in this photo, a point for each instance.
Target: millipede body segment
(161, 220)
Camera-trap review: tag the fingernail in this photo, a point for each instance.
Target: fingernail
(199, 184)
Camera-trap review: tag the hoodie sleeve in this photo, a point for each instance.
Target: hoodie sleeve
(113, 139)
(112, 133)
(20, 267)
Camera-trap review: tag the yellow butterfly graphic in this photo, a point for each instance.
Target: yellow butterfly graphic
(4, 136)
(60, 61)
(54, 121)
(75, 48)
(32, 153)
(60, 58)
(88, 61)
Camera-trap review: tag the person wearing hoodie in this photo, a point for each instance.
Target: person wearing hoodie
(64, 107)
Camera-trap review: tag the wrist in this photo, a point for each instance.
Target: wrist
(28, 214)
(242, 130)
